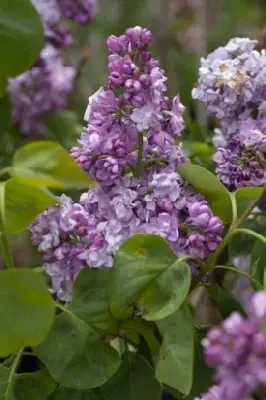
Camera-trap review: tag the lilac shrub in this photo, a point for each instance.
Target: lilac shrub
(238, 352)
(46, 86)
(232, 84)
(128, 147)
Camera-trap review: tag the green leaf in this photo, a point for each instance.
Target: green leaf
(258, 259)
(135, 380)
(147, 278)
(202, 375)
(30, 386)
(63, 125)
(192, 148)
(254, 282)
(175, 365)
(242, 244)
(249, 193)
(215, 192)
(22, 203)
(21, 36)
(90, 288)
(5, 114)
(245, 196)
(75, 355)
(198, 152)
(224, 300)
(26, 310)
(47, 163)
(63, 393)
(134, 328)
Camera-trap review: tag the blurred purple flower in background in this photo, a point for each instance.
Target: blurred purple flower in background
(237, 350)
(45, 87)
(81, 11)
(39, 91)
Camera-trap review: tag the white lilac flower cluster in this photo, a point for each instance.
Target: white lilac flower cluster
(128, 147)
(232, 84)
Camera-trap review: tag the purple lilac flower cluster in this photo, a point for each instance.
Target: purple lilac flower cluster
(232, 84)
(81, 11)
(39, 91)
(128, 147)
(45, 87)
(238, 352)
(53, 11)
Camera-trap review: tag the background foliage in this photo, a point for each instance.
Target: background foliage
(38, 171)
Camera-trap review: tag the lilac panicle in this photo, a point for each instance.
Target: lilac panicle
(237, 350)
(232, 84)
(133, 107)
(39, 91)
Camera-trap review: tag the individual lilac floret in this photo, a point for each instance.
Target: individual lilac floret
(39, 91)
(81, 11)
(200, 231)
(243, 162)
(238, 352)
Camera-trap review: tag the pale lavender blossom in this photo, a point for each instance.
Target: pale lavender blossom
(237, 350)
(48, 10)
(232, 84)
(39, 91)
